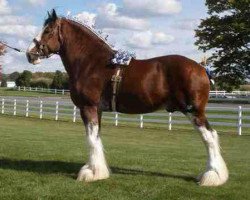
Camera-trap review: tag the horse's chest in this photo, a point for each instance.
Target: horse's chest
(83, 95)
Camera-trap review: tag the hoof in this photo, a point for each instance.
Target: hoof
(212, 178)
(87, 174)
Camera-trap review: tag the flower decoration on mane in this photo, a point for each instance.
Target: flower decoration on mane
(121, 57)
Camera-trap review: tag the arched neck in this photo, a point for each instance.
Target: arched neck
(81, 48)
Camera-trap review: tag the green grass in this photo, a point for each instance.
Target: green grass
(39, 159)
(12, 92)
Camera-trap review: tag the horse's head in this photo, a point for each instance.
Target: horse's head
(48, 41)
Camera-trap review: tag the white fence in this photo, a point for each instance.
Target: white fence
(233, 94)
(234, 117)
(213, 94)
(43, 90)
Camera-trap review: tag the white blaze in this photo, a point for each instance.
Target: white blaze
(33, 45)
(38, 38)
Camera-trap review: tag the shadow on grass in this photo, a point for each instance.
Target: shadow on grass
(70, 169)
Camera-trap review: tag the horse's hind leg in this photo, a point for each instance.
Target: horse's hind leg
(216, 172)
(96, 168)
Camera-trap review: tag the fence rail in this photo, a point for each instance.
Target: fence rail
(237, 117)
(213, 94)
(233, 94)
(43, 90)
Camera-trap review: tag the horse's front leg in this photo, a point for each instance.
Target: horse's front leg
(96, 167)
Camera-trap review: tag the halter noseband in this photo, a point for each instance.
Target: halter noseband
(42, 49)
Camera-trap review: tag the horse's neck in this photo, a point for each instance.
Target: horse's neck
(81, 52)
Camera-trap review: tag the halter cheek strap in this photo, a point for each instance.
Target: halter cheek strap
(60, 32)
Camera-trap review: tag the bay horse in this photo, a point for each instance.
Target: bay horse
(172, 82)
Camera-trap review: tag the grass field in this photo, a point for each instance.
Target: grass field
(39, 159)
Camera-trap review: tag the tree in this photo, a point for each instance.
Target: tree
(227, 33)
(41, 83)
(14, 76)
(4, 82)
(66, 81)
(57, 82)
(24, 79)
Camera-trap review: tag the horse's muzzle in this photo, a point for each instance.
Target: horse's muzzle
(32, 58)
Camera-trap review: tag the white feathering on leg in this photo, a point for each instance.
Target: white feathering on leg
(96, 168)
(216, 172)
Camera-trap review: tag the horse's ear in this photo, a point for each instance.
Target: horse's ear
(49, 16)
(54, 15)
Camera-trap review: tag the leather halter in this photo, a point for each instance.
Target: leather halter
(115, 81)
(43, 50)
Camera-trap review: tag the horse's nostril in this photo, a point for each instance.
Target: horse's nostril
(28, 56)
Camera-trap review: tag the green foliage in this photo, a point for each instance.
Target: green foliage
(41, 83)
(60, 81)
(66, 81)
(245, 87)
(4, 83)
(4, 76)
(24, 79)
(227, 32)
(14, 76)
(48, 75)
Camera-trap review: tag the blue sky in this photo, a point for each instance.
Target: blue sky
(148, 27)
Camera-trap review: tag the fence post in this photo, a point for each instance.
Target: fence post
(141, 121)
(239, 120)
(14, 108)
(57, 106)
(63, 91)
(116, 119)
(74, 114)
(2, 106)
(41, 110)
(19, 88)
(27, 108)
(55, 91)
(170, 121)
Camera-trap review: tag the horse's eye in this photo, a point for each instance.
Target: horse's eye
(46, 31)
